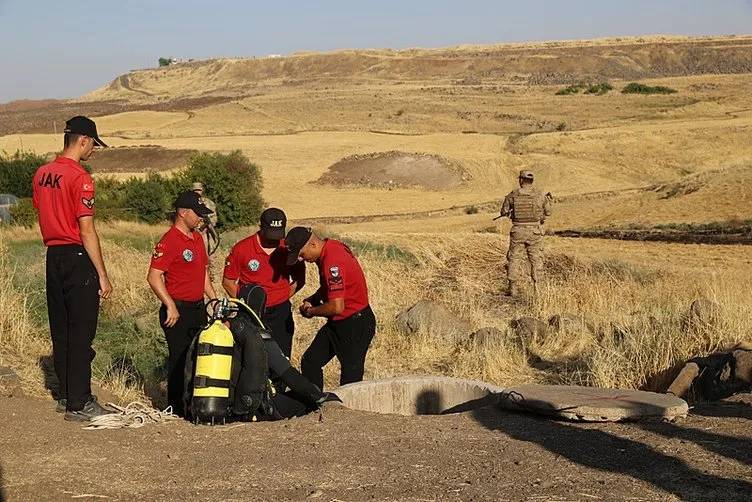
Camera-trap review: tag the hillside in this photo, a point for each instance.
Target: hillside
(543, 63)
(489, 110)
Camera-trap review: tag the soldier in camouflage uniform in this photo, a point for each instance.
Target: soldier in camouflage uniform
(528, 208)
(198, 187)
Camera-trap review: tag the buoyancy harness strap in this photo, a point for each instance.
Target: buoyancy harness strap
(207, 349)
(202, 382)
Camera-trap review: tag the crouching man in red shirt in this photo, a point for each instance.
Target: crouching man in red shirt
(179, 276)
(342, 299)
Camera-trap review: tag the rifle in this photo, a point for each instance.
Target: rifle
(212, 237)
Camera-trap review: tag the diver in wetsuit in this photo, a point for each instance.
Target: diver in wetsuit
(259, 350)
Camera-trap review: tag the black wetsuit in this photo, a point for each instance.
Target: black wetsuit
(259, 350)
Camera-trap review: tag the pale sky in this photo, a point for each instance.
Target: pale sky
(65, 49)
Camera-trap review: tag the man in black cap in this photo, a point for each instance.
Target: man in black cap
(179, 276)
(76, 276)
(342, 299)
(261, 259)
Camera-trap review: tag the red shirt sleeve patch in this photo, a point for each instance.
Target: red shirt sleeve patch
(83, 193)
(232, 270)
(161, 257)
(335, 282)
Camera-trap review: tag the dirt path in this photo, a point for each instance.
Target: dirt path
(347, 455)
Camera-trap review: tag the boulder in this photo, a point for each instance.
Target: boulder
(529, 329)
(10, 384)
(569, 323)
(485, 337)
(703, 314)
(433, 318)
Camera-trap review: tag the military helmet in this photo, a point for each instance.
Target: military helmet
(527, 175)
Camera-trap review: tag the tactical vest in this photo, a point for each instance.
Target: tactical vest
(526, 208)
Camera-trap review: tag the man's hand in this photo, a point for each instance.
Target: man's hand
(172, 316)
(305, 308)
(105, 287)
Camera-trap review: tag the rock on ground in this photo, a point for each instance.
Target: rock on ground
(529, 330)
(434, 318)
(703, 313)
(10, 384)
(569, 323)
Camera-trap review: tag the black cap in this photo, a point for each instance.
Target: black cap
(191, 200)
(296, 238)
(273, 222)
(84, 126)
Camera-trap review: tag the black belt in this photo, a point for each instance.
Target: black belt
(183, 303)
(356, 315)
(278, 306)
(65, 248)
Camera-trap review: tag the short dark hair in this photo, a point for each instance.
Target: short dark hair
(70, 138)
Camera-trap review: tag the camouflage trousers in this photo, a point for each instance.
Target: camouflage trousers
(525, 244)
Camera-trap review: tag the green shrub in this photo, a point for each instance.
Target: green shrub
(17, 172)
(231, 180)
(572, 89)
(599, 89)
(637, 88)
(164, 61)
(23, 213)
(146, 199)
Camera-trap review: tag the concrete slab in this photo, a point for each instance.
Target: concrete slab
(418, 395)
(591, 404)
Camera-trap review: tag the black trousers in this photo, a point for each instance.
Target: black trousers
(73, 309)
(279, 321)
(179, 337)
(348, 340)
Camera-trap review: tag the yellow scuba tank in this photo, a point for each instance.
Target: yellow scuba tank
(213, 373)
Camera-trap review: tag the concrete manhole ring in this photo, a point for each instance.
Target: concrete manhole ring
(418, 395)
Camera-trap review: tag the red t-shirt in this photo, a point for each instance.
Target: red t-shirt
(341, 277)
(63, 192)
(183, 259)
(248, 263)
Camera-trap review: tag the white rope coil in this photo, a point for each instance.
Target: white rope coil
(134, 415)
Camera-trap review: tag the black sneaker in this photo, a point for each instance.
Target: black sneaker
(90, 410)
(62, 404)
(329, 397)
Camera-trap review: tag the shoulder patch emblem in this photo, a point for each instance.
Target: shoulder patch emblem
(254, 265)
(157, 254)
(334, 271)
(87, 202)
(188, 255)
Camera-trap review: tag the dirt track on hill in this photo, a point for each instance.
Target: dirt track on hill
(348, 455)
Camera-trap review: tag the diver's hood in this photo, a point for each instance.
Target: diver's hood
(254, 297)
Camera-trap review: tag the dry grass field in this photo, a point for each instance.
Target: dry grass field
(609, 160)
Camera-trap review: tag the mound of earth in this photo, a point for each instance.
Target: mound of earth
(395, 170)
(138, 159)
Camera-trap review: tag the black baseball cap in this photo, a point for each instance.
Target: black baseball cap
(191, 200)
(84, 126)
(273, 222)
(296, 238)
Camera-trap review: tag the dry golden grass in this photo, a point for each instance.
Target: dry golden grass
(22, 342)
(641, 289)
